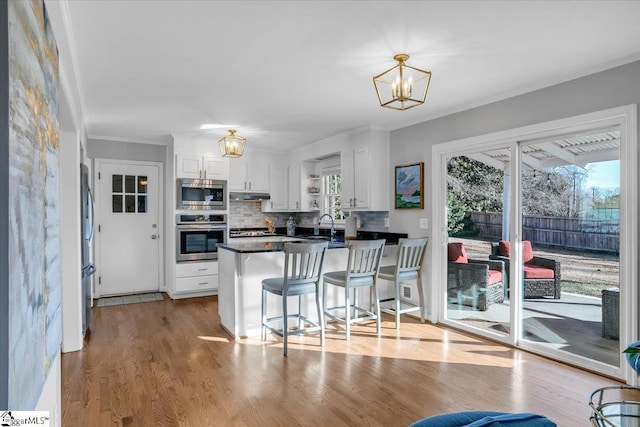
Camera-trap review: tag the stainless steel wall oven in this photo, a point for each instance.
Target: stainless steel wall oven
(198, 236)
(201, 194)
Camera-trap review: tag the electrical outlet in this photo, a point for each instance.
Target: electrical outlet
(386, 222)
(357, 222)
(424, 223)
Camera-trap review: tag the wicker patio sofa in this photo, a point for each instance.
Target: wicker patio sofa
(473, 282)
(541, 275)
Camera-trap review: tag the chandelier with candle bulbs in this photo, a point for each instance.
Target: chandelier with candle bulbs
(232, 145)
(402, 87)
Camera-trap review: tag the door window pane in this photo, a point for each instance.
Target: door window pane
(142, 184)
(116, 203)
(130, 184)
(130, 203)
(116, 183)
(142, 204)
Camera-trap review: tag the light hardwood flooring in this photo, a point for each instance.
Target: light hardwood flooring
(170, 363)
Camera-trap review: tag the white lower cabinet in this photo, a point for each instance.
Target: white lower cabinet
(197, 277)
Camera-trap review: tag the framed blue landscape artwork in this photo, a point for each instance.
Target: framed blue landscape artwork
(410, 186)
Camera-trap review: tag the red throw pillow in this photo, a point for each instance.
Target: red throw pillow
(504, 248)
(456, 253)
(527, 251)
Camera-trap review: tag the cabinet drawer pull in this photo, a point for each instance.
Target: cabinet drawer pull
(203, 283)
(203, 269)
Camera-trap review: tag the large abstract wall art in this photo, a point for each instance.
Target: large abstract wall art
(35, 317)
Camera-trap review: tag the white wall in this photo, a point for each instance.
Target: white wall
(50, 398)
(612, 88)
(122, 150)
(71, 241)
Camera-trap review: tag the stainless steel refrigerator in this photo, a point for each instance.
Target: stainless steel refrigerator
(87, 230)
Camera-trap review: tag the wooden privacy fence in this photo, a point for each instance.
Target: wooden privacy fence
(554, 231)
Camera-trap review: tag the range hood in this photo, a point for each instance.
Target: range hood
(233, 195)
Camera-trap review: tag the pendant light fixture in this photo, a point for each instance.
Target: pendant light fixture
(402, 87)
(232, 145)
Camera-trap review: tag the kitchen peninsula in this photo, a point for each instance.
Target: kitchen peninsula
(242, 266)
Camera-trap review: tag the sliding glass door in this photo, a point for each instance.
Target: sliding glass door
(539, 237)
(477, 286)
(570, 228)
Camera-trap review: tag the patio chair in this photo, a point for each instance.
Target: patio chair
(474, 282)
(541, 275)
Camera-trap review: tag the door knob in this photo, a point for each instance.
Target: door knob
(154, 237)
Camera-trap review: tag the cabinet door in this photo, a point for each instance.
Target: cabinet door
(361, 176)
(347, 179)
(278, 187)
(258, 176)
(294, 187)
(188, 166)
(237, 175)
(214, 168)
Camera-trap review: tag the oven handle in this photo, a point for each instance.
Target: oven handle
(201, 227)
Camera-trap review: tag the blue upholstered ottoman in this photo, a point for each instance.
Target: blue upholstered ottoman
(485, 419)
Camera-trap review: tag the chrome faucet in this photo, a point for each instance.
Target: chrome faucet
(333, 230)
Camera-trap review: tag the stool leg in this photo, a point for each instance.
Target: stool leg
(420, 296)
(300, 323)
(324, 302)
(377, 303)
(397, 303)
(355, 303)
(320, 310)
(285, 326)
(264, 314)
(347, 312)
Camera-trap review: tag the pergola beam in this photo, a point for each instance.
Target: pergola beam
(561, 154)
(488, 160)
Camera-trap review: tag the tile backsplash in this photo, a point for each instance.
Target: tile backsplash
(243, 214)
(246, 215)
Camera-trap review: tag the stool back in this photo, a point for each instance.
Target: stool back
(411, 254)
(303, 262)
(364, 258)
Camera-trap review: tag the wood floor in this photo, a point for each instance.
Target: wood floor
(170, 363)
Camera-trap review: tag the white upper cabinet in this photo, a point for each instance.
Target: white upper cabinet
(188, 166)
(365, 172)
(214, 168)
(295, 188)
(248, 176)
(278, 187)
(356, 174)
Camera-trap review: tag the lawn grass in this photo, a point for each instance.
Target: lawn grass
(584, 288)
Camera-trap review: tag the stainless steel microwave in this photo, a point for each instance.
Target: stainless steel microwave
(201, 194)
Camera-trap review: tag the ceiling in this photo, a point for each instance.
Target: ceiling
(287, 73)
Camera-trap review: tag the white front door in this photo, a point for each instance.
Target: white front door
(128, 238)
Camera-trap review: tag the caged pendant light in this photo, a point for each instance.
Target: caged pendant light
(232, 145)
(402, 87)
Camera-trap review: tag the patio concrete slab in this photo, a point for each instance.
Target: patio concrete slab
(573, 324)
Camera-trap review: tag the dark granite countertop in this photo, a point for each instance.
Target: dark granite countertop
(391, 238)
(303, 232)
(269, 246)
